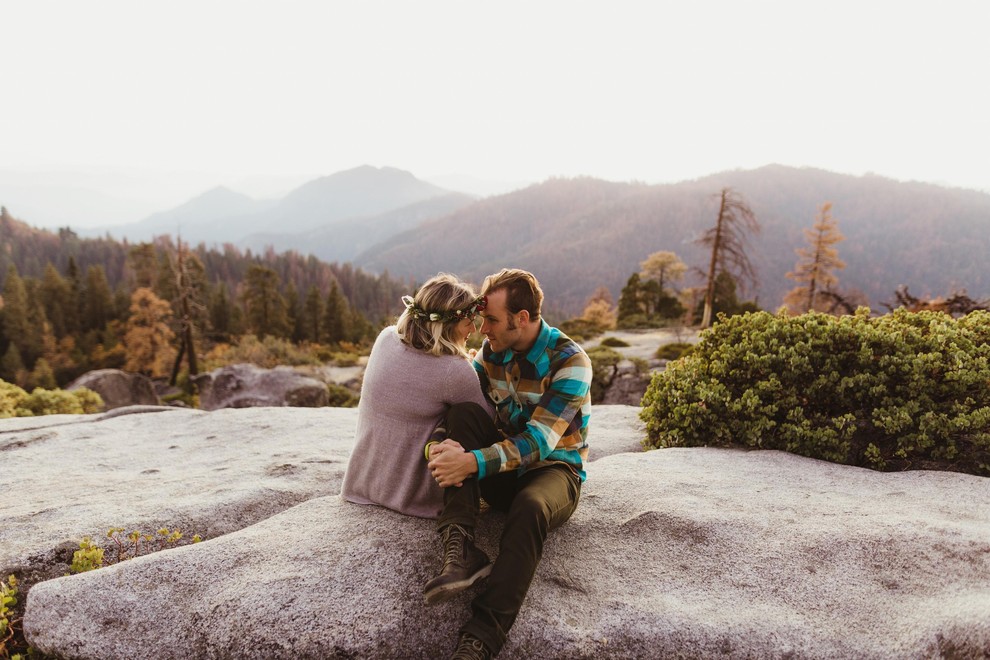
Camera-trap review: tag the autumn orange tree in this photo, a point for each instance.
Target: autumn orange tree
(815, 266)
(148, 338)
(727, 241)
(599, 310)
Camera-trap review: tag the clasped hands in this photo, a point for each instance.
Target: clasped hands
(450, 465)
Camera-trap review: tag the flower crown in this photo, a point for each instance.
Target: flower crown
(446, 316)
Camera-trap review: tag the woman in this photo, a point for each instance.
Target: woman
(417, 369)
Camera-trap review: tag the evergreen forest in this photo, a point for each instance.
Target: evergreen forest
(71, 304)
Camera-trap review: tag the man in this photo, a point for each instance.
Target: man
(528, 462)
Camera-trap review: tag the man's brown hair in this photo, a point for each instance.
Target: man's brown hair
(522, 291)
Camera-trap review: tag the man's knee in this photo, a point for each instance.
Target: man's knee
(469, 424)
(466, 412)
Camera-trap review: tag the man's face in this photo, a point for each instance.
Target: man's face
(499, 325)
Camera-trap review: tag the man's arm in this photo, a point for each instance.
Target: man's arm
(559, 406)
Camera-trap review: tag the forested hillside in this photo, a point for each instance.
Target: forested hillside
(579, 234)
(71, 304)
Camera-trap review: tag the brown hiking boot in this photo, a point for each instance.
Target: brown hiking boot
(463, 565)
(471, 648)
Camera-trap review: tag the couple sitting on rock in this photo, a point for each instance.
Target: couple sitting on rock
(435, 436)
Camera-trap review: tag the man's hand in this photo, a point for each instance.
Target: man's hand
(450, 464)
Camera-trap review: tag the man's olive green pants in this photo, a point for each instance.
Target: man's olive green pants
(535, 502)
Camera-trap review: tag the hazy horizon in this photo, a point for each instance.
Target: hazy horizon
(153, 106)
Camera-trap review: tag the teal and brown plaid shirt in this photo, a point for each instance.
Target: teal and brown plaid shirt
(542, 401)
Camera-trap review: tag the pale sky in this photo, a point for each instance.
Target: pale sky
(210, 92)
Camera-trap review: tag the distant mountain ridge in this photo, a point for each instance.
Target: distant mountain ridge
(224, 216)
(344, 240)
(578, 234)
(196, 218)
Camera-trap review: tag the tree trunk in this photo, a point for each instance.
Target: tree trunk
(706, 318)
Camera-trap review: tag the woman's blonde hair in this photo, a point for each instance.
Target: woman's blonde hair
(439, 294)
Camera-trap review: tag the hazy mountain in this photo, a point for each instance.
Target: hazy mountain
(475, 186)
(223, 216)
(344, 240)
(200, 219)
(578, 234)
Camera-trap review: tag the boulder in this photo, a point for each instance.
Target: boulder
(628, 385)
(248, 386)
(681, 552)
(118, 388)
(207, 473)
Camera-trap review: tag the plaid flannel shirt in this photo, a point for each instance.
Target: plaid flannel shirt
(542, 401)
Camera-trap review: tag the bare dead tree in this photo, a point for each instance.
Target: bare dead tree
(727, 240)
(185, 304)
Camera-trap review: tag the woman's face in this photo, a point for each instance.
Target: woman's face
(463, 330)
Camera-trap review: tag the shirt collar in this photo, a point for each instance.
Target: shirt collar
(537, 355)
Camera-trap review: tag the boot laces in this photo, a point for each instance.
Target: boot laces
(455, 540)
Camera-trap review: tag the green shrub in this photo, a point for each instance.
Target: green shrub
(268, 353)
(15, 402)
(674, 350)
(604, 364)
(11, 399)
(8, 599)
(613, 342)
(341, 397)
(580, 329)
(906, 390)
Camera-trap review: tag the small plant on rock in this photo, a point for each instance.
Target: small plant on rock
(123, 546)
(8, 599)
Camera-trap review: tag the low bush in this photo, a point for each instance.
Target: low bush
(341, 397)
(268, 353)
(15, 402)
(674, 350)
(581, 329)
(902, 391)
(613, 342)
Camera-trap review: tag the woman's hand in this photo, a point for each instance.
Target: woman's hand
(450, 465)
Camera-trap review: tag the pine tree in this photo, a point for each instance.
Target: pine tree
(76, 304)
(727, 242)
(313, 312)
(56, 298)
(335, 317)
(295, 312)
(815, 266)
(99, 305)
(630, 298)
(12, 366)
(266, 313)
(16, 319)
(144, 265)
(42, 376)
(221, 311)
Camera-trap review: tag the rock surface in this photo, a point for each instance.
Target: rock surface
(207, 473)
(247, 386)
(118, 388)
(678, 552)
